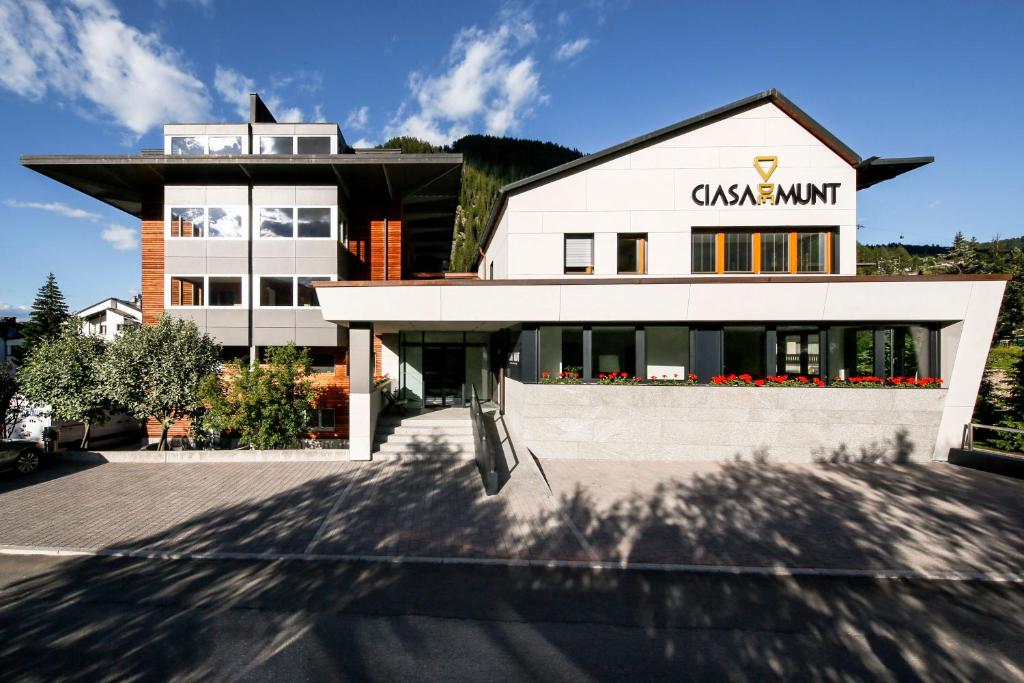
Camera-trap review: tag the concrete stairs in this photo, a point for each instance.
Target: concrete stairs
(440, 435)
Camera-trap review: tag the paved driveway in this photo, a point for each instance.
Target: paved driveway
(936, 517)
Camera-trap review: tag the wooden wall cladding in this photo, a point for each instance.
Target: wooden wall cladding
(152, 266)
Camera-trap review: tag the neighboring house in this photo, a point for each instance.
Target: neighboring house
(109, 317)
(724, 244)
(10, 338)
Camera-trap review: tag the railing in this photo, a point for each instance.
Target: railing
(968, 440)
(482, 447)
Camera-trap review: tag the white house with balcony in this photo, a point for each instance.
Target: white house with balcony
(109, 317)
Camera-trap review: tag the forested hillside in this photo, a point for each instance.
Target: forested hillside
(490, 162)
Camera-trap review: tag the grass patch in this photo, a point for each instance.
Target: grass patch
(1003, 357)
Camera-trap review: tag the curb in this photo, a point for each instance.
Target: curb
(172, 457)
(730, 570)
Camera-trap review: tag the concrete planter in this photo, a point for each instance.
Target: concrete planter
(701, 422)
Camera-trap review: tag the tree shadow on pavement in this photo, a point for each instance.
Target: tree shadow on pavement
(115, 618)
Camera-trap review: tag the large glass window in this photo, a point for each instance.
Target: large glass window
(227, 222)
(307, 292)
(632, 253)
(276, 291)
(277, 145)
(187, 221)
(743, 350)
(314, 145)
(560, 349)
(812, 252)
(703, 253)
(188, 145)
(277, 222)
(225, 144)
(668, 351)
(798, 351)
(322, 359)
(906, 351)
(739, 251)
(314, 222)
(614, 350)
(225, 291)
(851, 351)
(579, 253)
(321, 419)
(775, 252)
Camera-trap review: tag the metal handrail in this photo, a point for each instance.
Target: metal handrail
(968, 440)
(482, 448)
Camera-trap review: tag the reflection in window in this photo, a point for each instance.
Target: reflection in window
(187, 221)
(226, 222)
(906, 351)
(276, 145)
(632, 254)
(851, 351)
(743, 350)
(739, 252)
(560, 349)
(314, 222)
(276, 222)
(775, 252)
(225, 291)
(187, 291)
(188, 145)
(307, 292)
(798, 351)
(225, 144)
(811, 252)
(314, 145)
(668, 351)
(703, 252)
(614, 350)
(276, 291)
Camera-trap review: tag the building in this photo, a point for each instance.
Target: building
(109, 317)
(721, 245)
(10, 338)
(240, 220)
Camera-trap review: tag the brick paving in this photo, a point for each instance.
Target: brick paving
(935, 517)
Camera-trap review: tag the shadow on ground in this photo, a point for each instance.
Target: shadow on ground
(96, 618)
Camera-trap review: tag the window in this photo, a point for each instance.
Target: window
(187, 291)
(103, 329)
(490, 274)
(314, 145)
(187, 222)
(196, 145)
(798, 351)
(668, 351)
(739, 252)
(811, 252)
(775, 252)
(225, 144)
(314, 222)
(225, 291)
(321, 419)
(227, 222)
(188, 145)
(560, 350)
(230, 354)
(307, 292)
(277, 222)
(614, 350)
(322, 360)
(277, 145)
(703, 253)
(743, 350)
(276, 291)
(632, 253)
(579, 253)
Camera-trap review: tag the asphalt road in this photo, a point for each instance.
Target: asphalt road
(121, 619)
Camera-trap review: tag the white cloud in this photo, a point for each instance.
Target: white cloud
(55, 207)
(234, 88)
(82, 50)
(572, 49)
(19, 311)
(358, 118)
(363, 143)
(487, 81)
(120, 237)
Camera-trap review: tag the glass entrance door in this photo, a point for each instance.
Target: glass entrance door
(444, 374)
(799, 353)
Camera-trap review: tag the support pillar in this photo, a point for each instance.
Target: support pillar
(360, 373)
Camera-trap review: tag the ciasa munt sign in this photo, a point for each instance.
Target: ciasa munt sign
(766, 192)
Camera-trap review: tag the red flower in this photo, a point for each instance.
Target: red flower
(802, 379)
(623, 374)
(759, 382)
(545, 374)
(693, 377)
(819, 382)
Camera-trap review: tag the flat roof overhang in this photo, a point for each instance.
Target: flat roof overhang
(130, 182)
(492, 304)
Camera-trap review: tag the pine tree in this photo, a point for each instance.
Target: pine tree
(49, 313)
(962, 258)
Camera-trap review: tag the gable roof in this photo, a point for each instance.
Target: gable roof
(877, 169)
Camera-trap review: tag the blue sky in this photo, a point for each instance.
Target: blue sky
(890, 79)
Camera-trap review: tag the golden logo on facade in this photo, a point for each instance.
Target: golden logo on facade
(766, 166)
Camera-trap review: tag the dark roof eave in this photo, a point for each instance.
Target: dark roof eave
(31, 160)
(874, 170)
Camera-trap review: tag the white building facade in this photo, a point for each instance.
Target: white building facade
(110, 317)
(717, 252)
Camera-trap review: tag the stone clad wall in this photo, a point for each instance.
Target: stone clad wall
(784, 424)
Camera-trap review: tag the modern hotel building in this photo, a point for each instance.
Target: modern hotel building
(724, 244)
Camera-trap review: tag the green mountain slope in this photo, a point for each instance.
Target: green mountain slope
(490, 162)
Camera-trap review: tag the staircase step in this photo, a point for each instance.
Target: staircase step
(428, 431)
(427, 439)
(438, 448)
(424, 424)
(425, 456)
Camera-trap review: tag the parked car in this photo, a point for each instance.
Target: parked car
(23, 456)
